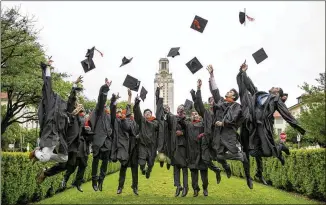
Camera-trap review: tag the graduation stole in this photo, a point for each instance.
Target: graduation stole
(195, 121)
(150, 119)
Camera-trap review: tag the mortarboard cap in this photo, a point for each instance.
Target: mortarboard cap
(131, 83)
(125, 61)
(194, 65)
(199, 24)
(242, 17)
(188, 105)
(174, 52)
(143, 93)
(88, 65)
(260, 56)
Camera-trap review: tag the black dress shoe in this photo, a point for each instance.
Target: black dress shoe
(94, 185)
(100, 184)
(148, 174)
(184, 192)
(218, 176)
(161, 164)
(196, 192)
(205, 192)
(168, 166)
(119, 190)
(177, 191)
(79, 188)
(135, 190)
(143, 171)
(228, 172)
(281, 158)
(249, 183)
(261, 179)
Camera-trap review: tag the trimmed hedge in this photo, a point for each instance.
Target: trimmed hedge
(18, 183)
(303, 172)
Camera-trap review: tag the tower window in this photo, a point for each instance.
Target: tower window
(163, 65)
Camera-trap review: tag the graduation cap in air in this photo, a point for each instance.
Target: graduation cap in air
(125, 61)
(188, 105)
(194, 65)
(174, 52)
(131, 83)
(199, 24)
(143, 93)
(88, 64)
(260, 56)
(243, 16)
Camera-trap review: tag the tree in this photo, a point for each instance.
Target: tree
(21, 77)
(312, 118)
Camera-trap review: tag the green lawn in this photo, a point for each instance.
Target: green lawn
(159, 189)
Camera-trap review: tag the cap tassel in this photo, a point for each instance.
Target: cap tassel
(249, 18)
(99, 52)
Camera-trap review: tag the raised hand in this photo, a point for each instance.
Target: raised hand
(129, 92)
(117, 96)
(244, 66)
(210, 69)
(79, 79)
(199, 83)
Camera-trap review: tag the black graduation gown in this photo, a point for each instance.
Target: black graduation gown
(207, 142)
(150, 135)
(121, 136)
(52, 109)
(101, 124)
(226, 137)
(260, 119)
(179, 144)
(167, 136)
(195, 160)
(74, 126)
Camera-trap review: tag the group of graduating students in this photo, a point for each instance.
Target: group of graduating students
(135, 139)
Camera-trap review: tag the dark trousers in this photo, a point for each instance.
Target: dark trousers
(55, 169)
(103, 169)
(194, 178)
(134, 173)
(80, 172)
(176, 172)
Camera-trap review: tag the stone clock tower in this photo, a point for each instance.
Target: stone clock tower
(163, 77)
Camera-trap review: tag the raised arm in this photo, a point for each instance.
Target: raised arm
(102, 97)
(212, 84)
(199, 101)
(137, 113)
(128, 106)
(73, 95)
(287, 116)
(113, 108)
(159, 113)
(246, 81)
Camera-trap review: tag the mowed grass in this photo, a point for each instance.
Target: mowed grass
(159, 189)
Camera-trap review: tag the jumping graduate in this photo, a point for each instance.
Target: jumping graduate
(75, 112)
(102, 141)
(53, 124)
(85, 139)
(257, 129)
(179, 149)
(124, 146)
(227, 120)
(150, 135)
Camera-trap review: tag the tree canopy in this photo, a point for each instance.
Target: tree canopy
(313, 117)
(21, 78)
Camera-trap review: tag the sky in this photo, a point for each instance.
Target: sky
(291, 33)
